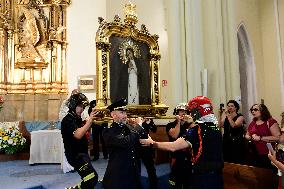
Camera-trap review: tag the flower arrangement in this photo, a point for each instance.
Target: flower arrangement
(1, 102)
(11, 140)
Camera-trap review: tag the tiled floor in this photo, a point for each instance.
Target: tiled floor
(20, 175)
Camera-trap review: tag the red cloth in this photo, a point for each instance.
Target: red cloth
(261, 130)
(279, 182)
(88, 133)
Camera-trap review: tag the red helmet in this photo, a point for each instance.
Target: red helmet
(200, 106)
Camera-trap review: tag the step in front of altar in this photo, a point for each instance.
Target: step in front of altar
(17, 156)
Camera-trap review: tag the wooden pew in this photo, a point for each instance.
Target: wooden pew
(238, 176)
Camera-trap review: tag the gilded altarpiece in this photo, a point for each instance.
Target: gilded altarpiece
(33, 46)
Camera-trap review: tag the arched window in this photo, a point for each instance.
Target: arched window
(247, 71)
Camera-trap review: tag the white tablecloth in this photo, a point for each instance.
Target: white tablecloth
(46, 146)
(65, 166)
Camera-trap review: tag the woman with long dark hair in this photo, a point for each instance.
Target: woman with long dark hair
(261, 130)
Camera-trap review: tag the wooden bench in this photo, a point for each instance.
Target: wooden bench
(238, 176)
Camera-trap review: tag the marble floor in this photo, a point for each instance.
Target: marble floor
(19, 174)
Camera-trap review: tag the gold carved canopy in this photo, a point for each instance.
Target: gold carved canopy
(113, 39)
(33, 46)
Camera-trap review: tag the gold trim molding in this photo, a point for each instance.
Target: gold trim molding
(33, 46)
(128, 36)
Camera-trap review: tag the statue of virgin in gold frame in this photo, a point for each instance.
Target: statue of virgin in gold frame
(128, 65)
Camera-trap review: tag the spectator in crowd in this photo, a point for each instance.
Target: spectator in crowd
(233, 137)
(277, 159)
(262, 129)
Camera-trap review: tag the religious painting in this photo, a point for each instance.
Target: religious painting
(129, 71)
(127, 64)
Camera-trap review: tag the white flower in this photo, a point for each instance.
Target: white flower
(14, 138)
(10, 141)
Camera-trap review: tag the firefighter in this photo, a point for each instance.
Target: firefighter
(73, 131)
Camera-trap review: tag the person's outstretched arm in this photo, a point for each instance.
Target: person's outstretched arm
(178, 144)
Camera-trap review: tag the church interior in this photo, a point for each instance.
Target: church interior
(224, 50)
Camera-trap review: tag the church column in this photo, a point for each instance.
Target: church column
(194, 46)
(2, 55)
(279, 18)
(176, 41)
(10, 43)
(231, 61)
(64, 49)
(53, 47)
(10, 62)
(214, 49)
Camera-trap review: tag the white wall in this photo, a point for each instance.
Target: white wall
(82, 24)
(263, 24)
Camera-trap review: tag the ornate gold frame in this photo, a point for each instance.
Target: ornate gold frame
(127, 30)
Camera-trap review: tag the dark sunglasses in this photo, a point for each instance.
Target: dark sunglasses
(254, 109)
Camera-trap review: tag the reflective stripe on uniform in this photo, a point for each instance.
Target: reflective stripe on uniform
(83, 167)
(172, 183)
(88, 177)
(79, 185)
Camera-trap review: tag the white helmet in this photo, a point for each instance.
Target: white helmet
(180, 106)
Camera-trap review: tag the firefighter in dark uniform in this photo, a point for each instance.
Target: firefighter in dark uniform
(205, 139)
(73, 131)
(180, 159)
(146, 153)
(122, 142)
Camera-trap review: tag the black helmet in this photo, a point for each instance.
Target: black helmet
(77, 99)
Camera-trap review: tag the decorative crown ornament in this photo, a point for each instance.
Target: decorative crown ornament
(130, 15)
(128, 44)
